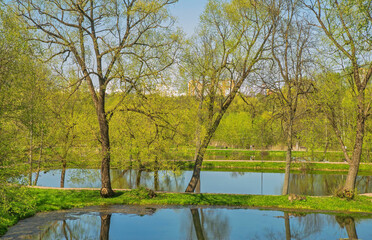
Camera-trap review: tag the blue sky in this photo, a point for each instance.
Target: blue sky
(188, 12)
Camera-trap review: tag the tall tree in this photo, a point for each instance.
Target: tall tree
(110, 43)
(231, 41)
(287, 80)
(347, 27)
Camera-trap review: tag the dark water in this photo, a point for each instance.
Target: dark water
(211, 181)
(133, 222)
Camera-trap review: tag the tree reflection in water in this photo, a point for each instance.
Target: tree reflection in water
(309, 225)
(349, 224)
(105, 226)
(197, 224)
(239, 182)
(323, 184)
(287, 226)
(84, 228)
(208, 224)
(185, 223)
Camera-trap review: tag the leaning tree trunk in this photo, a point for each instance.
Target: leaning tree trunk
(200, 155)
(207, 138)
(197, 167)
(106, 190)
(357, 151)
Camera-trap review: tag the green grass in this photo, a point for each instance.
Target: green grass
(243, 154)
(262, 165)
(50, 200)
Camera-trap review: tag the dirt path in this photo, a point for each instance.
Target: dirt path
(58, 188)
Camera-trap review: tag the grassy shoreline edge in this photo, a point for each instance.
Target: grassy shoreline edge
(53, 199)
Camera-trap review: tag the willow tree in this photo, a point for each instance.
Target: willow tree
(110, 43)
(231, 41)
(346, 26)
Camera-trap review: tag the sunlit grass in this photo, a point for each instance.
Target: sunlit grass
(51, 200)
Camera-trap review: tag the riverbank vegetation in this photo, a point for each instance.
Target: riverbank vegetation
(40, 200)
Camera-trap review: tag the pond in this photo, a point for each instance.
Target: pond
(151, 222)
(265, 183)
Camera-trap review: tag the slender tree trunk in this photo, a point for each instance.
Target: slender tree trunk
(31, 155)
(105, 226)
(63, 173)
(40, 157)
(358, 147)
(106, 190)
(326, 145)
(288, 159)
(198, 125)
(197, 224)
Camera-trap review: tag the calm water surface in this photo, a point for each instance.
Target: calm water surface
(211, 181)
(133, 222)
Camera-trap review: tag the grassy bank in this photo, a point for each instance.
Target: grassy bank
(265, 155)
(50, 199)
(264, 165)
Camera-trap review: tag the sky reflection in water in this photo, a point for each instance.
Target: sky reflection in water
(211, 181)
(132, 222)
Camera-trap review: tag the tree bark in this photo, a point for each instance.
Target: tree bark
(198, 163)
(138, 178)
(358, 147)
(63, 173)
(156, 180)
(106, 190)
(288, 158)
(287, 172)
(40, 157)
(203, 147)
(31, 155)
(198, 186)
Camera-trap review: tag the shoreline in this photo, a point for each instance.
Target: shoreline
(50, 199)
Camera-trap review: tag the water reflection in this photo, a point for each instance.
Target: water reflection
(135, 222)
(210, 181)
(105, 226)
(207, 224)
(197, 224)
(349, 224)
